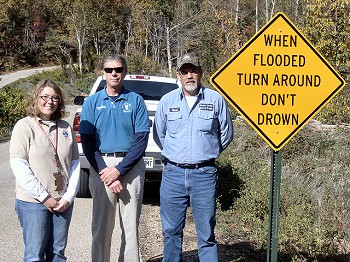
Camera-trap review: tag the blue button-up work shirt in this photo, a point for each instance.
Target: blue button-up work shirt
(192, 135)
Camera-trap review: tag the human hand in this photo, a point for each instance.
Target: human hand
(62, 206)
(116, 186)
(109, 174)
(50, 203)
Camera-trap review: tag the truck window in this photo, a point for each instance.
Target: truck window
(148, 90)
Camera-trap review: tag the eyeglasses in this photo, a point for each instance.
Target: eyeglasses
(109, 70)
(52, 98)
(184, 72)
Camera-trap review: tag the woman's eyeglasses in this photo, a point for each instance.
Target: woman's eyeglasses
(53, 98)
(109, 70)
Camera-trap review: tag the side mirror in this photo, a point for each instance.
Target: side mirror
(79, 100)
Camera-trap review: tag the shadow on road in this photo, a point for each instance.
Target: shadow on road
(242, 251)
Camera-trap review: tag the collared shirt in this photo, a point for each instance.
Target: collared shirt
(117, 125)
(114, 123)
(192, 135)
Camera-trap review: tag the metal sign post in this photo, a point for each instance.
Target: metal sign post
(275, 182)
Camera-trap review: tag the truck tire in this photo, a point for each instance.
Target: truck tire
(83, 191)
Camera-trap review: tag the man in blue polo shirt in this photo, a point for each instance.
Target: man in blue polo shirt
(114, 131)
(192, 127)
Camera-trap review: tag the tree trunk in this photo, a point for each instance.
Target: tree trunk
(256, 16)
(168, 49)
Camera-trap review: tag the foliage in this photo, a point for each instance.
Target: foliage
(338, 110)
(13, 104)
(14, 96)
(313, 214)
(319, 182)
(72, 86)
(153, 34)
(326, 25)
(68, 32)
(250, 155)
(139, 64)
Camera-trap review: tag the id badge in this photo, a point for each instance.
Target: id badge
(58, 181)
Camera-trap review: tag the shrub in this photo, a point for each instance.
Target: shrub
(250, 156)
(13, 104)
(338, 109)
(313, 214)
(316, 191)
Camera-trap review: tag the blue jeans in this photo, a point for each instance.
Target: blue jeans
(180, 188)
(44, 233)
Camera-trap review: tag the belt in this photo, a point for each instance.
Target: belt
(115, 154)
(210, 162)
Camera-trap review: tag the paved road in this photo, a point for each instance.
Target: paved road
(9, 78)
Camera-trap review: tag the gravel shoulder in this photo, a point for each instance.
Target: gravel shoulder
(151, 240)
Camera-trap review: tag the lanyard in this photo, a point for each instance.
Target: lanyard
(52, 145)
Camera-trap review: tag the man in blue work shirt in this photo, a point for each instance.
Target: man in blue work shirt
(114, 131)
(192, 127)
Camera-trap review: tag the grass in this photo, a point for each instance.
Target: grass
(315, 188)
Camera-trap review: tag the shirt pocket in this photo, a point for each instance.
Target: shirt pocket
(207, 121)
(174, 122)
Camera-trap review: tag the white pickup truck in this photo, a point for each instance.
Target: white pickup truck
(151, 88)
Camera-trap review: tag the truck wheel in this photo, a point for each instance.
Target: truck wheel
(83, 191)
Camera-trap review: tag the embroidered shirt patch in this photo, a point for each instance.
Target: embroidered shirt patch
(174, 109)
(206, 107)
(127, 107)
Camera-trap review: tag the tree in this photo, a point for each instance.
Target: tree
(77, 16)
(107, 26)
(326, 24)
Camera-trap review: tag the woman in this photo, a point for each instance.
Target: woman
(45, 161)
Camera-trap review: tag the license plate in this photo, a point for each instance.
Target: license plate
(148, 162)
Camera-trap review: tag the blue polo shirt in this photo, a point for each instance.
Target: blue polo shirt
(114, 123)
(117, 124)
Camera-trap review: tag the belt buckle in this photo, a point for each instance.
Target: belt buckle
(190, 166)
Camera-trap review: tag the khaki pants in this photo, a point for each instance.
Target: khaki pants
(104, 211)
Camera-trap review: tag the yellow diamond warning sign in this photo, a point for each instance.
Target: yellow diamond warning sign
(277, 81)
